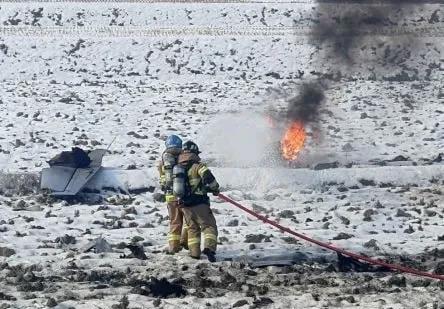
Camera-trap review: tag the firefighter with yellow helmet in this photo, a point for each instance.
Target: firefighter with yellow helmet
(192, 181)
(177, 236)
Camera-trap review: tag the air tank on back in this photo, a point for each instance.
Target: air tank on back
(179, 174)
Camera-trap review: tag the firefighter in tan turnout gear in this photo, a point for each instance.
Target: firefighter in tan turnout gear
(192, 181)
(177, 236)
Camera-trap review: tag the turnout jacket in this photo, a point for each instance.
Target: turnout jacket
(200, 180)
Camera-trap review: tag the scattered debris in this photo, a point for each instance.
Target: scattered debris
(346, 263)
(6, 252)
(158, 288)
(257, 238)
(137, 251)
(342, 235)
(99, 245)
(324, 166)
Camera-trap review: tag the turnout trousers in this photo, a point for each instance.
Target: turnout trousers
(200, 219)
(177, 236)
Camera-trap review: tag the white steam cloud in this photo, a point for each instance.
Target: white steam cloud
(241, 140)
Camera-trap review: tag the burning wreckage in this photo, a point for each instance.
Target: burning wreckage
(70, 172)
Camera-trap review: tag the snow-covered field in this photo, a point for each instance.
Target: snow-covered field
(82, 73)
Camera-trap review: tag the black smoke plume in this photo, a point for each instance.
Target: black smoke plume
(305, 106)
(342, 33)
(351, 43)
(345, 30)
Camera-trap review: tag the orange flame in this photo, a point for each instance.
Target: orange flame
(293, 141)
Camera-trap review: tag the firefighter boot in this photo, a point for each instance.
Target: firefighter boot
(211, 255)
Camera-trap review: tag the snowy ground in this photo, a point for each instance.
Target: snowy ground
(84, 73)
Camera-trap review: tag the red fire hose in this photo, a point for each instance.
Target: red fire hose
(333, 248)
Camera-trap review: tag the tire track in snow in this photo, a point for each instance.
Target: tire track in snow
(210, 1)
(165, 1)
(122, 31)
(214, 1)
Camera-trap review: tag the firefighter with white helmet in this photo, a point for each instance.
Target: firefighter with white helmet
(177, 236)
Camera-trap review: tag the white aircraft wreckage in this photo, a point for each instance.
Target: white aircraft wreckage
(70, 171)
